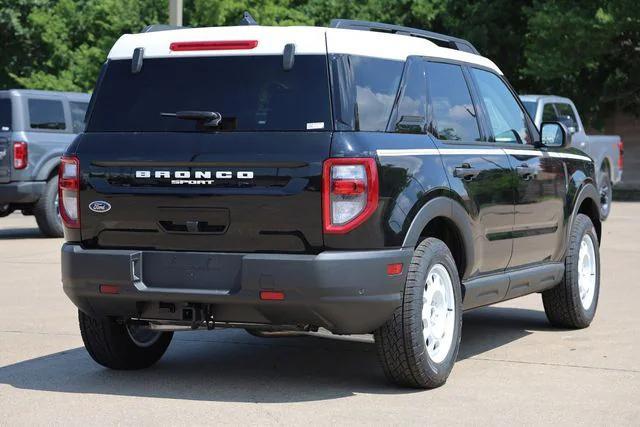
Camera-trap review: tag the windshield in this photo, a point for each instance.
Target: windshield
(251, 93)
(531, 107)
(5, 114)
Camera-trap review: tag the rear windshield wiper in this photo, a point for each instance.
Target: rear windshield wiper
(208, 118)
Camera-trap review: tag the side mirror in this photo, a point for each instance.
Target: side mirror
(554, 135)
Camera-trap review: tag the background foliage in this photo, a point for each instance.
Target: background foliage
(588, 50)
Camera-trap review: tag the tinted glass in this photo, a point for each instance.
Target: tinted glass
(78, 110)
(531, 108)
(5, 114)
(252, 93)
(46, 114)
(549, 113)
(506, 118)
(411, 114)
(566, 115)
(453, 114)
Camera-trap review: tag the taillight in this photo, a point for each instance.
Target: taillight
(20, 155)
(69, 191)
(213, 45)
(621, 156)
(349, 193)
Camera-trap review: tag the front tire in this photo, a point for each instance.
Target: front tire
(573, 303)
(46, 210)
(119, 346)
(419, 345)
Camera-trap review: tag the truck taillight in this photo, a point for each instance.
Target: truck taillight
(349, 193)
(20, 155)
(621, 156)
(69, 191)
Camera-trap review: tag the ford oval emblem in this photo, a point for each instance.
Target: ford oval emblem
(100, 206)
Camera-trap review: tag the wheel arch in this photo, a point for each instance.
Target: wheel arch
(587, 203)
(446, 220)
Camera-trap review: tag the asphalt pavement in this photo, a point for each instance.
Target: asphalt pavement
(513, 367)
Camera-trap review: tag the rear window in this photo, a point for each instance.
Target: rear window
(5, 114)
(78, 111)
(252, 93)
(46, 114)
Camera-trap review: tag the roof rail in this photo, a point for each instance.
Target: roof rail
(161, 27)
(441, 40)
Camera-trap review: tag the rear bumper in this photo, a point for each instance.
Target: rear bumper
(345, 292)
(21, 191)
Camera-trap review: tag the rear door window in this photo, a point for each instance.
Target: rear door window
(5, 114)
(78, 111)
(251, 93)
(549, 113)
(566, 115)
(453, 115)
(46, 114)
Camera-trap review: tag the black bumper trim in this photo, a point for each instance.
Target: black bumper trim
(21, 191)
(345, 292)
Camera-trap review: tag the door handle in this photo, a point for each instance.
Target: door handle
(526, 172)
(466, 172)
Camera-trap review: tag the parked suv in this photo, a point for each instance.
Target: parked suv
(36, 127)
(362, 178)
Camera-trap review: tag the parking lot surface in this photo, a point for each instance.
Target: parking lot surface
(513, 367)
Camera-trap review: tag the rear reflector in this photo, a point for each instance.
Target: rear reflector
(621, 155)
(20, 155)
(217, 45)
(271, 295)
(394, 269)
(109, 289)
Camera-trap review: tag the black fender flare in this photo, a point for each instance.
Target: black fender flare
(588, 191)
(451, 210)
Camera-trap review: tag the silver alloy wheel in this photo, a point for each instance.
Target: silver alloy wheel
(142, 336)
(587, 270)
(438, 315)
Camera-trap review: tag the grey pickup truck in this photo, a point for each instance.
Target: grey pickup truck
(35, 129)
(605, 150)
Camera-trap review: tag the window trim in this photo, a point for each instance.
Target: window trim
(393, 117)
(65, 110)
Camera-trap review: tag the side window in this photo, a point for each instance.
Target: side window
(46, 114)
(5, 114)
(549, 113)
(376, 84)
(506, 118)
(78, 110)
(566, 116)
(453, 116)
(411, 113)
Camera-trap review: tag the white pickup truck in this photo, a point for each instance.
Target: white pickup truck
(605, 150)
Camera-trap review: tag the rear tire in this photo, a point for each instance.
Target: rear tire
(118, 346)
(606, 194)
(573, 303)
(412, 354)
(46, 210)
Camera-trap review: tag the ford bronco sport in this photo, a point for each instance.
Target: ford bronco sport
(361, 178)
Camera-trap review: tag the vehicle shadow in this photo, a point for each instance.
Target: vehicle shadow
(232, 366)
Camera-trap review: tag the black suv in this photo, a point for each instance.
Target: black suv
(362, 178)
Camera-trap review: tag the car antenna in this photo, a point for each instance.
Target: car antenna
(247, 19)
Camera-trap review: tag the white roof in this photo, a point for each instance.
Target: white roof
(308, 40)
